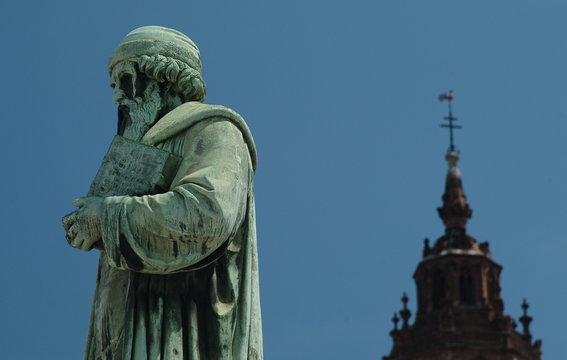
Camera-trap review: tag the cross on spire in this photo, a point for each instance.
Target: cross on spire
(449, 97)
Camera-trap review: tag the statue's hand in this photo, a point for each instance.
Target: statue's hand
(83, 226)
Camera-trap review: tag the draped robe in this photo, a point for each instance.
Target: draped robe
(178, 276)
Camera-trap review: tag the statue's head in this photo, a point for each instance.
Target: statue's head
(153, 70)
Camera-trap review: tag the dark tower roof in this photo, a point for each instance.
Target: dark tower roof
(455, 211)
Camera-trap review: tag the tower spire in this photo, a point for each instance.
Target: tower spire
(455, 211)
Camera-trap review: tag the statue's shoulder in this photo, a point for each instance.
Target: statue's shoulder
(188, 114)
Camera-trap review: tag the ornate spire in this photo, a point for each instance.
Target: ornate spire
(455, 211)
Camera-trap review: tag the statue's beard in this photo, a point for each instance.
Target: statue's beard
(136, 116)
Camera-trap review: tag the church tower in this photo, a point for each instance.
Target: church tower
(460, 314)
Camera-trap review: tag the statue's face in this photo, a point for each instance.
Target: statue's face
(138, 100)
(126, 83)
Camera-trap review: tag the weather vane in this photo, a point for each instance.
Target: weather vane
(450, 97)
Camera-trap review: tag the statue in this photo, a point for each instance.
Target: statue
(172, 213)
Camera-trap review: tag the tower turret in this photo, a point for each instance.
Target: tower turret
(460, 314)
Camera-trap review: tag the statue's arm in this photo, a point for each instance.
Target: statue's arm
(169, 232)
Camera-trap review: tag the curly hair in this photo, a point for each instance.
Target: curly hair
(185, 80)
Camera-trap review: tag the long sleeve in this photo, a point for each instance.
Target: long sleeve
(206, 203)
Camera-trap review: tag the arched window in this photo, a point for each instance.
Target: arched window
(466, 289)
(438, 290)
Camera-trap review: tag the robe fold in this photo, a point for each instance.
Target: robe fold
(178, 276)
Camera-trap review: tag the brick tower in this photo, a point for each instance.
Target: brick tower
(460, 314)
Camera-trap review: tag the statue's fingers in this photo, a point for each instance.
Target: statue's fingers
(71, 234)
(80, 202)
(69, 220)
(78, 240)
(87, 245)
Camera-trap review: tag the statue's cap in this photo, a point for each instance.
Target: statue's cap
(153, 41)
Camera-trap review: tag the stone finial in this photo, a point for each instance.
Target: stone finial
(426, 247)
(395, 320)
(405, 313)
(526, 320)
(485, 248)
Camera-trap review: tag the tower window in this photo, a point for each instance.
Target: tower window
(466, 287)
(438, 290)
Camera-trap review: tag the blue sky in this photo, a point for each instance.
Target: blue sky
(342, 100)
